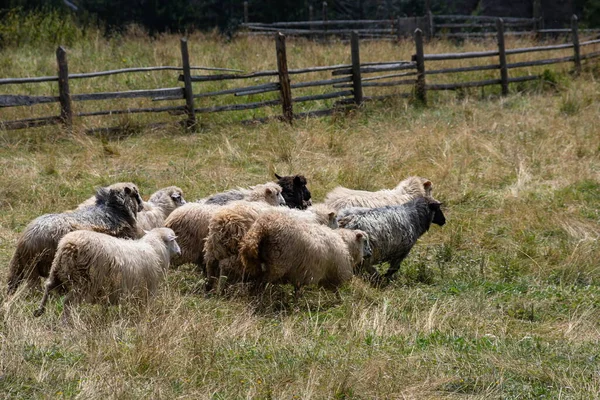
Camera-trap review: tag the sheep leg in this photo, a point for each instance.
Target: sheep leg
(212, 278)
(394, 266)
(15, 278)
(51, 283)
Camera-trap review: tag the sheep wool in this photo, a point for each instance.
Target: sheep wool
(281, 249)
(159, 206)
(114, 213)
(394, 230)
(410, 188)
(95, 267)
(229, 225)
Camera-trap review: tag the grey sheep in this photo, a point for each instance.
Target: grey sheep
(281, 249)
(93, 199)
(114, 213)
(159, 206)
(410, 188)
(393, 230)
(95, 267)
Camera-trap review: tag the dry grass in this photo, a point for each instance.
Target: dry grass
(502, 302)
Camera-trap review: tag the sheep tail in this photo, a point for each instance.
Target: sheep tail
(250, 248)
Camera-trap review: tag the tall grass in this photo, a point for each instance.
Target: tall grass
(501, 302)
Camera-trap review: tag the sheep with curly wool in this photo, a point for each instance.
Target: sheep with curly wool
(94, 267)
(190, 222)
(281, 249)
(393, 230)
(114, 213)
(159, 206)
(229, 225)
(410, 188)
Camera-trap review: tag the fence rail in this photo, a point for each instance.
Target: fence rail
(347, 82)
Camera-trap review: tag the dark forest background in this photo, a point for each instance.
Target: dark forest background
(158, 16)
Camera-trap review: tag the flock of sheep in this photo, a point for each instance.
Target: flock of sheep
(115, 244)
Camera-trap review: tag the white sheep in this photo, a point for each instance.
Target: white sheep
(190, 222)
(159, 206)
(281, 249)
(95, 267)
(230, 223)
(410, 188)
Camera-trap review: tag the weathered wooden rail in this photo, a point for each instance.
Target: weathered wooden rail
(348, 82)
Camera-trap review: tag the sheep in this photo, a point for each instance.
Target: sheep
(295, 192)
(281, 249)
(230, 223)
(254, 193)
(190, 222)
(114, 213)
(410, 188)
(95, 267)
(160, 205)
(393, 230)
(119, 185)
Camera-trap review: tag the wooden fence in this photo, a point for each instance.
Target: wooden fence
(346, 84)
(444, 26)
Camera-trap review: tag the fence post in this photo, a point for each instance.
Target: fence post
(398, 32)
(245, 12)
(575, 32)
(284, 79)
(187, 80)
(502, 56)
(356, 76)
(420, 89)
(431, 30)
(325, 15)
(64, 95)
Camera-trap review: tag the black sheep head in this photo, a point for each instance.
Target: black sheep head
(438, 215)
(294, 191)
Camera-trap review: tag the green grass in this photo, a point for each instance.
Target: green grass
(501, 302)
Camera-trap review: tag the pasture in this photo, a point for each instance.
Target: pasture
(501, 302)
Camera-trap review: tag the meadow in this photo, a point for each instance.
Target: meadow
(501, 302)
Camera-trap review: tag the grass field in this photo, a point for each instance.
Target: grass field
(501, 302)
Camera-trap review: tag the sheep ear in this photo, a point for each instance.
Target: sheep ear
(427, 184)
(298, 180)
(359, 235)
(128, 190)
(170, 238)
(332, 215)
(277, 176)
(268, 191)
(146, 232)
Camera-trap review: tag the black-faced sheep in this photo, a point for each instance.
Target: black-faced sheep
(228, 226)
(295, 192)
(282, 249)
(114, 213)
(94, 267)
(410, 188)
(393, 230)
(160, 205)
(254, 193)
(190, 222)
